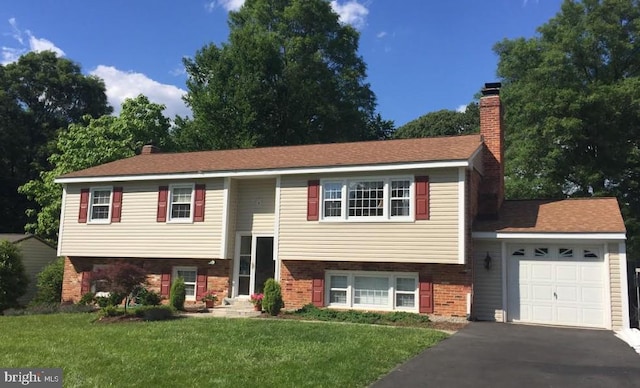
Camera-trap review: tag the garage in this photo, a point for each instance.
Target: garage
(557, 285)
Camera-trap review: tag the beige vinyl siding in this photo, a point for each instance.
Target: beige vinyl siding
(487, 286)
(139, 234)
(616, 297)
(428, 241)
(35, 256)
(256, 205)
(233, 211)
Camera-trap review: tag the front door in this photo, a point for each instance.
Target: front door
(254, 263)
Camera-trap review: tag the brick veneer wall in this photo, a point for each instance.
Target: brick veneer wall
(491, 129)
(217, 274)
(451, 282)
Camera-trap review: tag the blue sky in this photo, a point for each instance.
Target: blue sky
(422, 55)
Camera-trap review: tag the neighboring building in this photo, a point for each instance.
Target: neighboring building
(36, 254)
(413, 225)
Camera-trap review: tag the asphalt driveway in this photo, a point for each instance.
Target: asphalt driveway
(487, 354)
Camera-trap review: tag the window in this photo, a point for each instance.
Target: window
(372, 290)
(332, 203)
(541, 252)
(100, 205)
(181, 203)
(373, 199)
(565, 252)
(190, 275)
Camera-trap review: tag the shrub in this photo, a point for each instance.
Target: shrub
(148, 297)
(13, 279)
(76, 308)
(87, 299)
(114, 299)
(310, 311)
(178, 294)
(154, 313)
(50, 283)
(272, 301)
(111, 311)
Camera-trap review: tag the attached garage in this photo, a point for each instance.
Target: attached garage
(552, 262)
(557, 285)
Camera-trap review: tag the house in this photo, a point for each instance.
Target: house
(36, 254)
(415, 225)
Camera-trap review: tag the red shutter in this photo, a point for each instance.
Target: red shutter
(84, 205)
(317, 297)
(201, 286)
(163, 196)
(85, 282)
(426, 295)
(116, 206)
(198, 212)
(422, 197)
(313, 198)
(165, 284)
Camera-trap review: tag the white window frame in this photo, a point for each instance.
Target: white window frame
(90, 219)
(386, 212)
(188, 220)
(174, 276)
(391, 305)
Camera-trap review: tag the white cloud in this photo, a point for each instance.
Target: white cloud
(351, 12)
(381, 34)
(41, 44)
(11, 54)
(127, 84)
(461, 108)
(229, 5)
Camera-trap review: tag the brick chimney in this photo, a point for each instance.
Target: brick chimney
(491, 129)
(150, 149)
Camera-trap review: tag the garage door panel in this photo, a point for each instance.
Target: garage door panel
(557, 289)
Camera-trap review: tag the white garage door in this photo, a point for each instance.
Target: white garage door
(561, 285)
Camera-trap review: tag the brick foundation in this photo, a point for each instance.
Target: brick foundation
(217, 275)
(451, 282)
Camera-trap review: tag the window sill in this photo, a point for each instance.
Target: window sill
(98, 222)
(368, 220)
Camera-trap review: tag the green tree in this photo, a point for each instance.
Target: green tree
(177, 294)
(442, 123)
(572, 98)
(50, 283)
(90, 143)
(13, 279)
(40, 94)
(272, 301)
(289, 74)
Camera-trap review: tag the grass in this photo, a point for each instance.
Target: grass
(208, 352)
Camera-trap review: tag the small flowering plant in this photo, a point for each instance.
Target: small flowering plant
(210, 295)
(256, 299)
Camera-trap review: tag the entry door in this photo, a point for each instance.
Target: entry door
(255, 263)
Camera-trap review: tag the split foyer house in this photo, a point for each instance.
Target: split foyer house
(415, 225)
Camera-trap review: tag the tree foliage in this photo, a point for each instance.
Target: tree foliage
(272, 301)
(572, 98)
(50, 283)
(178, 294)
(442, 123)
(289, 74)
(13, 279)
(40, 94)
(89, 143)
(120, 278)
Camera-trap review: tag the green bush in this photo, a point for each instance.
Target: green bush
(114, 299)
(76, 308)
(178, 294)
(50, 283)
(87, 299)
(272, 302)
(154, 313)
(353, 316)
(148, 297)
(111, 311)
(13, 279)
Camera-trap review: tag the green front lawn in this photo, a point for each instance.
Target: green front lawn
(208, 352)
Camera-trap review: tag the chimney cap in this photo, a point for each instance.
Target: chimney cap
(491, 89)
(150, 149)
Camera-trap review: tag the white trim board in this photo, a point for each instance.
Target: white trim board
(266, 173)
(549, 236)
